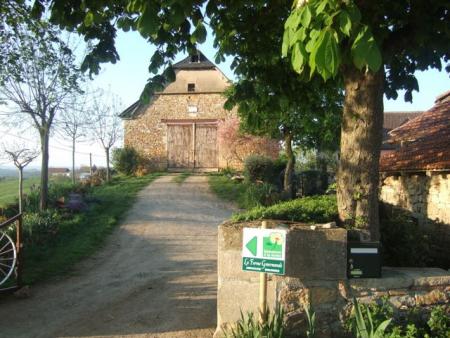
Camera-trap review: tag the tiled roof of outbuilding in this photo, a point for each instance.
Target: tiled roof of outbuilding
(423, 143)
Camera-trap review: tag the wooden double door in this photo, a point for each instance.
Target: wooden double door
(192, 146)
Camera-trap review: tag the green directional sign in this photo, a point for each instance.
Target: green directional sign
(252, 245)
(263, 250)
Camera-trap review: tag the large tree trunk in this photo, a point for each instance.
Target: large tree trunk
(44, 133)
(73, 159)
(20, 190)
(361, 134)
(288, 173)
(108, 173)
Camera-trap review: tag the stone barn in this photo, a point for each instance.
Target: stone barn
(177, 129)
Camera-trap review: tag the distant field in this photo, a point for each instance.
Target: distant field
(9, 188)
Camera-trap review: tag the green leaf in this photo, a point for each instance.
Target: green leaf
(365, 51)
(325, 52)
(298, 57)
(148, 22)
(354, 13)
(345, 23)
(305, 16)
(199, 33)
(88, 19)
(286, 42)
(293, 20)
(321, 6)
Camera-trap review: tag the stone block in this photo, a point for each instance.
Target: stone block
(236, 296)
(316, 254)
(433, 297)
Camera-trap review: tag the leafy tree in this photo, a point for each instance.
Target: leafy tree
(353, 39)
(36, 79)
(375, 47)
(270, 99)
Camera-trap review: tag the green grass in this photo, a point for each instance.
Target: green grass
(9, 188)
(181, 177)
(227, 189)
(80, 235)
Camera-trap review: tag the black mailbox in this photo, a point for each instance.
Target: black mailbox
(363, 260)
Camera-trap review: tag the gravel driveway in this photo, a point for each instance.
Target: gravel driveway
(155, 277)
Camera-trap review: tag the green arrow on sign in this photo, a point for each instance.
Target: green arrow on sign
(252, 245)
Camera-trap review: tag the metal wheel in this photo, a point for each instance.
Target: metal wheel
(8, 257)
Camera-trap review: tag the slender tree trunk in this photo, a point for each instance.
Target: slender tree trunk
(361, 134)
(20, 190)
(322, 166)
(108, 174)
(73, 159)
(44, 134)
(288, 173)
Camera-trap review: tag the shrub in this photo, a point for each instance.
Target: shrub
(126, 160)
(315, 209)
(40, 227)
(259, 168)
(263, 194)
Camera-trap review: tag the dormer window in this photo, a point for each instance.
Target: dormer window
(191, 87)
(195, 58)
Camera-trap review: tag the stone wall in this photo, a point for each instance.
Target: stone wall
(426, 195)
(147, 132)
(316, 276)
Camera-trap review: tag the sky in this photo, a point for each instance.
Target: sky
(127, 78)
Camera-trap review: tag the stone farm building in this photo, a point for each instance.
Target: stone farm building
(416, 171)
(177, 129)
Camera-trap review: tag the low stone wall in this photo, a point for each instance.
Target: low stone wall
(426, 195)
(316, 275)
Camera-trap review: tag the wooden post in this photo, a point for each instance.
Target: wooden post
(90, 164)
(263, 290)
(19, 247)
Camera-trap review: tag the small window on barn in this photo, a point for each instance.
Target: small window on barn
(195, 58)
(191, 87)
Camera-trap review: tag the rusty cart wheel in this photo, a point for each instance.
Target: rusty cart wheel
(8, 257)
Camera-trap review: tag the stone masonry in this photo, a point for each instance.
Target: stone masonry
(316, 276)
(426, 195)
(147, 132)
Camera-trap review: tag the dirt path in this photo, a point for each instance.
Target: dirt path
(156, 277)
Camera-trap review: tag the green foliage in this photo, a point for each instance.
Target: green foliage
(415, 323)
(364, 325)
(439, 322)
(259, 168)
(41, 227)
(249, 326)
(246, 194)
(316, 209)
(311, 318)
(126, 160)
(321, 36)
(262, 194)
